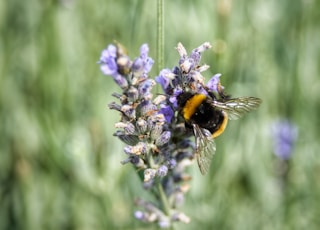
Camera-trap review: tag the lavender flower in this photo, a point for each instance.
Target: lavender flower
(108, 61)
(214, 83)
(157, 141)
(164, 79)
(284, 135)
(109, 65)
(143, 64)
(167, 111)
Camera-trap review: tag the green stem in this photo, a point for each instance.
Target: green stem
(162, 194)
(160, 191)
(160, 34)
(163, 198)
(160, 61)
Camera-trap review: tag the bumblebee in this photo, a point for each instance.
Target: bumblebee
(208, 117)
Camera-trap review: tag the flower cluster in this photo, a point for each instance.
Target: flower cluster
(187, 76)
(285, 134)
(157, 141)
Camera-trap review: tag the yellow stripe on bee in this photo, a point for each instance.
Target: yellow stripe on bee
(191, 105)
(222, 126)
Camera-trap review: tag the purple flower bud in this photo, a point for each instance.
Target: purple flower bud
(137, 65)
(155, 119)
(144, 50)
(108, 61)
(126, 126)
(195, 56)
(139, 215)
(174, 99)
(156, 131)
(201, 90)
(148, 63)
(164, 79)
(181, 50)
(143, 64)
(146, 86)
(203, 47)
(162, 171)
(214, 82)
(284, 134)
(167, 112)
(187, 65)
(129, 111)
(133, 94)
(120, 80)
(164, 138)
(172, 163)
(142, 125)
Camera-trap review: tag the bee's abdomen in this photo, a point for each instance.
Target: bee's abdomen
(207, 117)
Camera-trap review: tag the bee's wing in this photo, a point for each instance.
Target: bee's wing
(205, 148)
(236, 107)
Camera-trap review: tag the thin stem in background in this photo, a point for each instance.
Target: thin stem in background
(160, 34)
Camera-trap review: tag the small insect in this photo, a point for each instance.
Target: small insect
(208, 116)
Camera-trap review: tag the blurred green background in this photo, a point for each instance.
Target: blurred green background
(59, 166)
